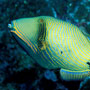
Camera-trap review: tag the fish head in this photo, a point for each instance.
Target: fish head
(25, 31)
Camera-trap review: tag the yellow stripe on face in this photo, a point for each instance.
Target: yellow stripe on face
(25, 39)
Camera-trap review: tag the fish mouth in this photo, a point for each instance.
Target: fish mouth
(15, 30)
(11, 26)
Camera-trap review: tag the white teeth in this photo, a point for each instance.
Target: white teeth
(9, 25)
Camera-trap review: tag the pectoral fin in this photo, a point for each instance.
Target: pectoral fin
(68, 75)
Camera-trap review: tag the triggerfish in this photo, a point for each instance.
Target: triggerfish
(54, 44)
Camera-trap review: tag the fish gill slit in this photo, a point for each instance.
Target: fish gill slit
(41, 34)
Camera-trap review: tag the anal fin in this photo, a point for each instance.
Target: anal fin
(68, 75)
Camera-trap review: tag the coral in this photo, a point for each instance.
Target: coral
(50, 75)
(8, 86)
(85, 85)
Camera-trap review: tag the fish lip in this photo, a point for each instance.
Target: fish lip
(11, 26)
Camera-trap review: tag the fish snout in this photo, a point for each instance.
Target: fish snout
(11, 27)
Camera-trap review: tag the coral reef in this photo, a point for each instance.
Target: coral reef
(85, 85)
(17, 71)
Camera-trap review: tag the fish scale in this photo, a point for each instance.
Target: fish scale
(54, 40)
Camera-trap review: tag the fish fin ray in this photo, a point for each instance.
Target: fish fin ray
(69, 75)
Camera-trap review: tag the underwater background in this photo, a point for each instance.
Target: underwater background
(16, 70)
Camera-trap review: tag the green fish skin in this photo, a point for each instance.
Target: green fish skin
(54, 44)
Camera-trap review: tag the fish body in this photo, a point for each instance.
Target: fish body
(54, 44)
